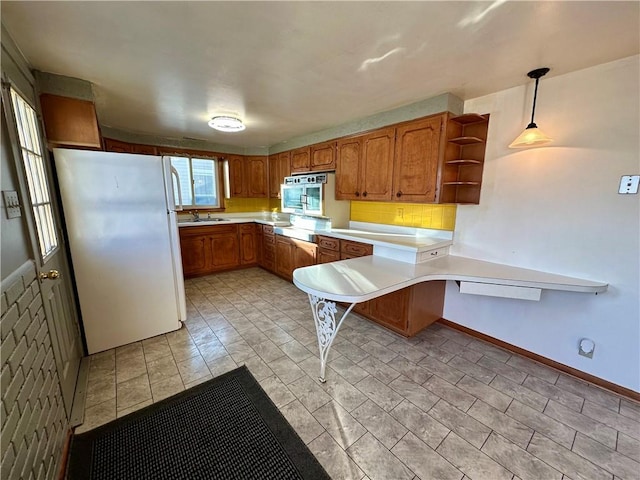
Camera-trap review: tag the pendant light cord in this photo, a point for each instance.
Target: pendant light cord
(533, 110)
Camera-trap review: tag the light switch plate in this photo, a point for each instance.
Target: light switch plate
(629, 184)
(11, 203)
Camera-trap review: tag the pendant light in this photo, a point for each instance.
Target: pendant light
(532, 135)
(226, 124)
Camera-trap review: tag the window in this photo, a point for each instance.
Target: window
(32, 158)
(199, 181)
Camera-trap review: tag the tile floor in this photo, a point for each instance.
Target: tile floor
(441, 405)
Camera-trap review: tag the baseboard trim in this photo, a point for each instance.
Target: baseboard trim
(596, 381)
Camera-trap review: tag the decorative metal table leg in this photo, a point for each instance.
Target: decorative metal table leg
(324, 315)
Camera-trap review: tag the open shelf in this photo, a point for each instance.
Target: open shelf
(466, 140)
(463, 162)
(468, 118)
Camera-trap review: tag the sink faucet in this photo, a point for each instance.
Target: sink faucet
(196, 216)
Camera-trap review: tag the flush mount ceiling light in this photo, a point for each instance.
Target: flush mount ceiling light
(532, 135)
(227, 124)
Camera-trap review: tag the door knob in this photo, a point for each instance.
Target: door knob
(51, 275)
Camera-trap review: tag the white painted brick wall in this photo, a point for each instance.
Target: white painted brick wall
(33, 419)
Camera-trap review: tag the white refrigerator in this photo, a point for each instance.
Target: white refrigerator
(120, 217)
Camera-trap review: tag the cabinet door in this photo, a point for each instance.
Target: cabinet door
(323, 156)
(256, 172)
(224, 251)
(117, 146)
(70, 121)
(284, 256)
(390, 310)
(416, 161)
(195, 255)
(348, 153)
(304, 254)
(237, 183)
(248, 245)
(278, 169)
(376, 171)
(144, 149)
(300, 160)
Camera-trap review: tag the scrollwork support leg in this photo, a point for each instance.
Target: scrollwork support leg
(324, 316)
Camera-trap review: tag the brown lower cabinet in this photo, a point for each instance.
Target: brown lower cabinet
(292, 253)
(208, 249)
(406, 311)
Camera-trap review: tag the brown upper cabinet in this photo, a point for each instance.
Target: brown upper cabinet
(111, 145)
(364, 166)
(248, 176)
(436, 159)
(70, 122)
(279, 167)
(415, 165)
(237, 182)
(323, 156)
(300, 160)
(257, 174)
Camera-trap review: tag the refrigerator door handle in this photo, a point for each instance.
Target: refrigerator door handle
(174, 172)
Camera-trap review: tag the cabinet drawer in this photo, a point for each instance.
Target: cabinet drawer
(208, 230)
(247, 227)
(431, 254)
(267, 229)
(355, 248)
(326, 256)
(269, 240)
(329, 243)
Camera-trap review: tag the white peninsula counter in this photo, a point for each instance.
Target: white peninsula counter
(361, 279)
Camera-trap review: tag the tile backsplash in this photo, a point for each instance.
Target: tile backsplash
(440, 217)
(237, 205)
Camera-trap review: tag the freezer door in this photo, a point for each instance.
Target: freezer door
(120, 237)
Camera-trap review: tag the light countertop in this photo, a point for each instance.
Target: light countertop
(361, 279)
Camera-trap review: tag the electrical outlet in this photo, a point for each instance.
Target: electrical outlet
(400, 212)
(629, 184)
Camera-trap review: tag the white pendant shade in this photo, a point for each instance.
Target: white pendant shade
(531, 137)
(226, 124)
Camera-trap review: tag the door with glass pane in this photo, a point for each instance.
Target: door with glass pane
(50, 257)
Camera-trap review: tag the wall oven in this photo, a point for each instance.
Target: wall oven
(303, 194)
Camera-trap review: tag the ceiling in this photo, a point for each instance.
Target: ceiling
(292, 68)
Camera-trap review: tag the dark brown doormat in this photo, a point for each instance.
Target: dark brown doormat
(226, 428)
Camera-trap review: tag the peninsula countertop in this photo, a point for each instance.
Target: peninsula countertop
(360, 279)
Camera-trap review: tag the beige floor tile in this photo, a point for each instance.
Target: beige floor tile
(161, 368)
(564, 460)
(376, 461)
(424, 406)
(166, 387)
(470, 460)
(421, 424)
(334, 459)
(422, 460)
(305, 425)
(192, 369)
(133, 391)
(464, 425)
(378, 422)
(520, 462)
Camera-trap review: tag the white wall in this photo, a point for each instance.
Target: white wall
(557, 209)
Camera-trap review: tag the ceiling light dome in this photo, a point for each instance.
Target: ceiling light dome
(227, 124)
